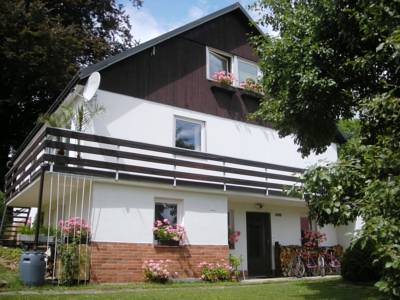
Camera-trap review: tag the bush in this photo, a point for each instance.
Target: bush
(358, 263)
(221, 271)
(157, 271)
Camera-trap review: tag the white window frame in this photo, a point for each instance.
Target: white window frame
(218, 52)
(202, 132)
(179, 205)
(234, 67)
(259, 74)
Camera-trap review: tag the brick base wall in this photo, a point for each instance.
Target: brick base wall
(122, 262)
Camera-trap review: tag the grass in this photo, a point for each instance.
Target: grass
(334, 289)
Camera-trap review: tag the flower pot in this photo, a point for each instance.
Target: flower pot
(168, 243)
(83, 240)
(43, 238)
(25, 237)
(224, 88)
(251, 94)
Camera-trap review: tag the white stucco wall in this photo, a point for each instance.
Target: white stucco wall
(285, 226)
(125, 213)
(147, 121)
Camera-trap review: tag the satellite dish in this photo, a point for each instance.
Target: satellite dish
(91, 86)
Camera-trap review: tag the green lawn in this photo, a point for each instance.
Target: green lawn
(322, 289)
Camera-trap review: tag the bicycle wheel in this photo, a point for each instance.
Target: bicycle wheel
(321, 265)
(299, 269)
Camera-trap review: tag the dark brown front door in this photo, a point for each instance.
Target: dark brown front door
(258, 244)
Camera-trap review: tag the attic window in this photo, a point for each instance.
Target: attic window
(247, 70)
(217, 61)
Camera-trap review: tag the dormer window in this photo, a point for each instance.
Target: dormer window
(218, 61)
(247, 70)
(240, 68)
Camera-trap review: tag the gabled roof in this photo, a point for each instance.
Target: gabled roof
(85, 72)
(153, 42)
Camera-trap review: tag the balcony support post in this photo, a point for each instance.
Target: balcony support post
(40, 200)
(266, 182)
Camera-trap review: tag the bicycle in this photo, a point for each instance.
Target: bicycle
(296, 266)
(332, 263)
(315, 263)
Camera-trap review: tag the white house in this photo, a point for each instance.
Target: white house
(171, 143)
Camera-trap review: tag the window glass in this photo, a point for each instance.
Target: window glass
(217, 63)
(188, 135)
(167, 211)
(247, 70)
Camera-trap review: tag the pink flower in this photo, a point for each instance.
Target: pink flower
(223, 77)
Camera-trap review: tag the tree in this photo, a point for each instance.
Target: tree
(332, 61)
(324, 63)
(42, 45)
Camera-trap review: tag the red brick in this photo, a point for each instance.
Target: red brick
(122, 262)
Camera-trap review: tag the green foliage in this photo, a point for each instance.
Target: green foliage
(43, 43)
(358, 263)
(80, 115)
(366, 182)
(324, 63)
(335, 60)
(26, 230)
(69, 257)
(10, 254)
(215, 273)
(234, 262)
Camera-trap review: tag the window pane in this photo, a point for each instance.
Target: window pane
(167, 211)
(247, 70)
(218, 63)
(188, 135)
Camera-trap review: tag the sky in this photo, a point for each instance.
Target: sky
(159, 16)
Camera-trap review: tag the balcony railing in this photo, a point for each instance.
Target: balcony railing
(72, 152)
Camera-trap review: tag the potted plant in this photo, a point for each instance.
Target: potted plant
(73, 262)
(26, 233)
(225, 81)
(233, 238)
(167, 234)
(252, 88)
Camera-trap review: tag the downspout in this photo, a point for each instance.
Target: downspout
(40, 200)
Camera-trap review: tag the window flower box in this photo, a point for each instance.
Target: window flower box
(170, 243)
(251, 95)
(167, 234)
(224, 88)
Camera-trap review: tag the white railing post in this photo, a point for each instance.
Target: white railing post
(174, 170)
(116, 171)
(224, 174)
(266, 182)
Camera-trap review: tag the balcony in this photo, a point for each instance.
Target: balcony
(69, 152)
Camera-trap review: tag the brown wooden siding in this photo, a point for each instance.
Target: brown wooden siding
(176, 73)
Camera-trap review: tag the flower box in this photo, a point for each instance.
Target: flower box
(171, 243)
(224, 88)
(30, 238)
(251, 94)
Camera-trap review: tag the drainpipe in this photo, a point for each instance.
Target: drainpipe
(40, 200)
